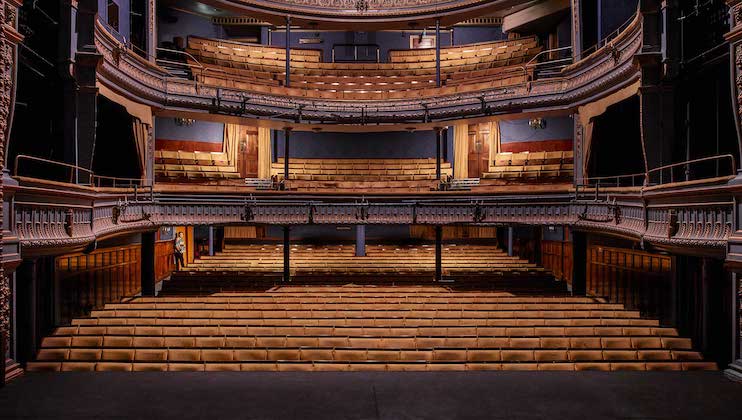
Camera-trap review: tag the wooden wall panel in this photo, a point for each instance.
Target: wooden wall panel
(89, 281)
(638, 279)
(454, 232)
(556, 256)
(244, 232)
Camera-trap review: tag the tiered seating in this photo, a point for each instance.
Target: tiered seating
(365, 328)
(262, 69)
(361, 174)
(513, 51)
(193, 165)
(458, 260)
(532, 165)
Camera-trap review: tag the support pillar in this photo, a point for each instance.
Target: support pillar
(438, 52)
(734, 37)
(152, 30)
(438, 173)
(734, 370)
(286, 253)
(576, 30)
(287, 81)
(360, 240)
(438, 253)
(87, 58)
(286, 153)
(510, 241)
(211, 240)
(579, 263)
(147, 264)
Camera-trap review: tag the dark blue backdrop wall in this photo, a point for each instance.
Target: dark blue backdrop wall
(123, 15)
(387, 40)
(398, 144)
(186, 24)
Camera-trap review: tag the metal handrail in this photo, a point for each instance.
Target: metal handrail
(355, 52)
(591, 182)
(95, 180)
(687, 163)
(72, 168)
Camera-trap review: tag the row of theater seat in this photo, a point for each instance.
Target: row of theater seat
(379, 259)
(191, 333)
(532, 165)
(482, 49)
(181, 165)
(369, 170)
(233, 65)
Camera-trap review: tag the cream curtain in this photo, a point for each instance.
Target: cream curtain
(231, 144)
(264, 152)
(461, 151)
(141, 134)
(494, 140)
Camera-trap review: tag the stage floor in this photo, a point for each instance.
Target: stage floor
(356, 395)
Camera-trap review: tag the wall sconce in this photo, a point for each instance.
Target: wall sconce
(537, 123)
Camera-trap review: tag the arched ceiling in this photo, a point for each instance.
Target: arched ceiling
(379, 13)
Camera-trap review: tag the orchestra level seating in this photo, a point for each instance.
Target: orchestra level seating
(371, 174)
(380, 328)
(532, 165)
(307, 260)
(181, 165)
(262, 69)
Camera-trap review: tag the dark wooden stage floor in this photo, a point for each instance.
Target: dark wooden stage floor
(299, 395)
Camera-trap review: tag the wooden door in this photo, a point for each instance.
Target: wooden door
(479, 150)
(248, 155)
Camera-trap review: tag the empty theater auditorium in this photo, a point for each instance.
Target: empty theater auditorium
(388, 209)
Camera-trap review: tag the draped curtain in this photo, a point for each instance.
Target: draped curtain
(141, 134)
(264, 152)
(494, 141)
(461, 151)
(231, 144)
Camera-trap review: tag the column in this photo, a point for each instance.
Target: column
(579, 263)
(152, 30)
(510, 241)
(734, 370)
(286, 253)
(287, 82)
(147, 264)
(360, 240)
(286, 141)
(438, 154)
(735, 53)
(438, 52)
(576, 30)
(438, 253)
(87, 57)
(211, 240)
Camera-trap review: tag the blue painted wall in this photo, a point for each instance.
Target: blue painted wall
(330, 234)
(559, 128)
(474, 34)
(123, 15)
(187, 24)
(362, 145)
(203, 131)
(615, 13)
(387, 40)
